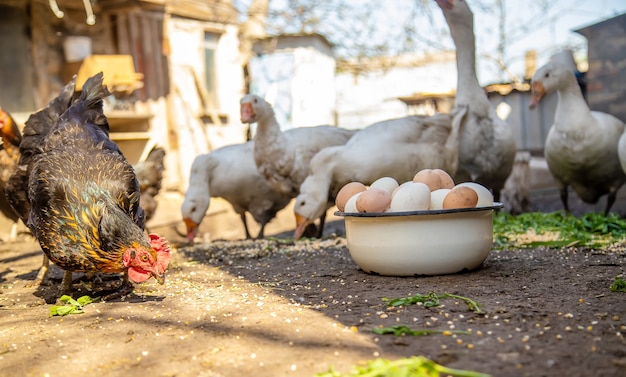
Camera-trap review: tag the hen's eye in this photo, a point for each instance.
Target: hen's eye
(144, 258)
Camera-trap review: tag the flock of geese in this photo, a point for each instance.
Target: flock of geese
(585, 150)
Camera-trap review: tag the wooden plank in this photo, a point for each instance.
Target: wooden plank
(136, 50)
(123, 43)
(156, 26)
(147, 51)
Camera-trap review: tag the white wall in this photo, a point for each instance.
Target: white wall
(371, 98)
(299, 82)
(186, 58)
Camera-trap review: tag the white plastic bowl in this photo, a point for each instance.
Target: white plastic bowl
(434, 242)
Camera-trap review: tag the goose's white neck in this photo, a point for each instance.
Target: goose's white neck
(571, 105)
(468, 87)
(268, 127)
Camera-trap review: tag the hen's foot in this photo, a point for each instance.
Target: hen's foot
(123, 290)
(42, 275)
(66, 284)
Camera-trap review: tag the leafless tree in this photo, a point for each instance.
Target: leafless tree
(363, 29)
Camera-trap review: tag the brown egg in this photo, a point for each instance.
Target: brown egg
(373, 200)
(430, 178)
(346, 192)
(461, 197)
(446, 180)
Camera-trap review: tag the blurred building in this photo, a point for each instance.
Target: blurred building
(606, 76)
(174, 66)
(296, 74)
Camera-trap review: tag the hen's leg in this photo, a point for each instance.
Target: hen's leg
(43, 270)
(13, 235)
(125, 288)
(66, 284)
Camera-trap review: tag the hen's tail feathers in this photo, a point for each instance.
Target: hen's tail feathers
(88, 107)
(150, 171)
(156, 155)
(36, 129)
(40, 123)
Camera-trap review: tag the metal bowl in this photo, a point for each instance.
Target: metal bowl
(433, 242)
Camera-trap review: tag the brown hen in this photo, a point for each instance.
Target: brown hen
(83, 196)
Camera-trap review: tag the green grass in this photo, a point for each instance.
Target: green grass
(591, 230)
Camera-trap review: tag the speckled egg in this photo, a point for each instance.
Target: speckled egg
(446, 179)
(460, 197)
(373, 200)
(485, 197)
(428, 177)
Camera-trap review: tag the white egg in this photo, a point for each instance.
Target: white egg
(411, 197)
(351, 203)
(436, 198)
(386, 183)
(397, 188)
(485, 197)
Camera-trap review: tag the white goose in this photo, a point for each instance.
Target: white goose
(487, 147)
(582, 145)
(396, 148)
(230, 173)
(283, 157)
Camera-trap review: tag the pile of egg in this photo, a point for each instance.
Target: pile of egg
(430, 189)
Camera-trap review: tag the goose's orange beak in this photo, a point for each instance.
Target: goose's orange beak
(537, 94)
(445, 4)
(192, 229)
(247, 113)
(301, 224)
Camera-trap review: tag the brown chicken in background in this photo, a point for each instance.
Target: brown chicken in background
(150, 175)
(82, 196)
(9, 156)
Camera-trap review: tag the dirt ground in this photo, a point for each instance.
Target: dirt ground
(278, 308)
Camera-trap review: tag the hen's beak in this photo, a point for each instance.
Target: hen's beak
(537, 94)
(301, 224)
(160, 278)
(247, 113)
(192, 229)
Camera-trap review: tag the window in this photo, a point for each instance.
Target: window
(210, 76)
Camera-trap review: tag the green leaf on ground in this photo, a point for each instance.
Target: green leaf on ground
(400, 330)
(415, 366)
(70, 306)
(432, 299)
(619, 285)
